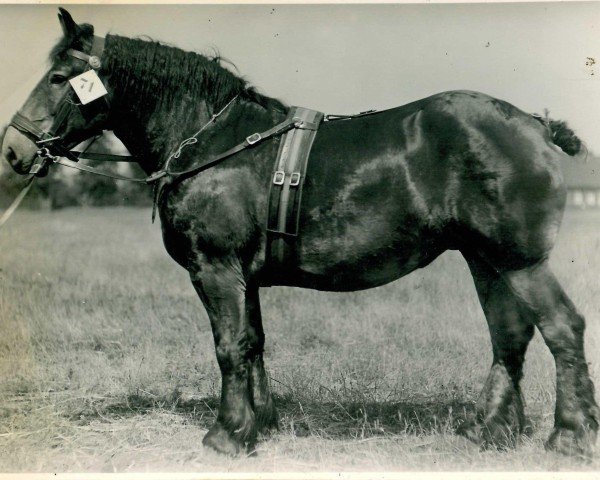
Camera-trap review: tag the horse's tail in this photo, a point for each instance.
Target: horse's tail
(564, 137)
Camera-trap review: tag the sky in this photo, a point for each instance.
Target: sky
(350, 58)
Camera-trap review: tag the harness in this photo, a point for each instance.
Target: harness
(298, 132)
(285, 194)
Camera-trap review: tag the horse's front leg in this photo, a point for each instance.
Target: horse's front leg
(222, 289)
(264, 408)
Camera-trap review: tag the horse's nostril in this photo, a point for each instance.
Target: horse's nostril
(10, 154)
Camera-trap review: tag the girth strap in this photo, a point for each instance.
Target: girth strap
(289, 173)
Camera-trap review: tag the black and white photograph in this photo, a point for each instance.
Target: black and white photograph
(299, 238)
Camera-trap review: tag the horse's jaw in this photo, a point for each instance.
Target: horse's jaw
(136, 143)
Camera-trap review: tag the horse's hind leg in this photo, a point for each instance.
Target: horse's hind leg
(499, 416)
(541, 299)
(576, 414)
(264, 408)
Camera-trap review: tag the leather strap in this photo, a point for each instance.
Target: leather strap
(283, 212)
(95, 55)
(333, 118)
(250, 141)
(105, 157)
(86, 168)
(16, 202)
(27, 127)
(32, 131)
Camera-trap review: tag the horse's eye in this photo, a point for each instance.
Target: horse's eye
(57, 79)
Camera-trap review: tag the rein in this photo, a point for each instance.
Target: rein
(249, 141)
(16, 202)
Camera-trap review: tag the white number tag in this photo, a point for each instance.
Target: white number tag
(88, 87)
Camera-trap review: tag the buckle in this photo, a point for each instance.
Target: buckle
(252, 139)
(295, 179)
(278, 177)
(36, 168)
(41, 168)
(94, 62)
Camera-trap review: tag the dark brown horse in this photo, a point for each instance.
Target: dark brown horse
(385, 194)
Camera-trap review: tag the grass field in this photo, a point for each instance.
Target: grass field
(107, 361)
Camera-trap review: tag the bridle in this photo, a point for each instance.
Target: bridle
(51, 145)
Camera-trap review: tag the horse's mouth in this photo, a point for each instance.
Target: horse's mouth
(17, 150)
(19, 166)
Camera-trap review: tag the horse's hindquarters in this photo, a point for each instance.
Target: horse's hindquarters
(388, 193)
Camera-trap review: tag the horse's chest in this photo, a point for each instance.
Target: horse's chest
(213, 215)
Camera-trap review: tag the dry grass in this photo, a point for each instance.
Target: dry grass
(107, 362)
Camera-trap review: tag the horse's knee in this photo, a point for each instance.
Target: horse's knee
(510, 350)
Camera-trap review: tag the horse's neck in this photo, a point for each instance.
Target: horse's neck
(155, 138)
(150, 138)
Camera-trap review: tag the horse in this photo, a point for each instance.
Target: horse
(384, 194)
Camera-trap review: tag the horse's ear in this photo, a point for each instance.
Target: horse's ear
(69, 27)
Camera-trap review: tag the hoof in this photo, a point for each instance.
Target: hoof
(571, 443)
(492, 433)
(223, 442)
(471, 430)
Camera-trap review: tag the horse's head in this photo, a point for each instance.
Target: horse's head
(54, 116)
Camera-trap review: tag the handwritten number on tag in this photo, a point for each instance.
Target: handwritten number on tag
(83, 82)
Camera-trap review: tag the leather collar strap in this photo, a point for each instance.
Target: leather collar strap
(165, 177)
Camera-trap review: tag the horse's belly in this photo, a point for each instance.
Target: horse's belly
(345, 280)
(361, 262)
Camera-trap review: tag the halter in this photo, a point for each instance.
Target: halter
(52, 145)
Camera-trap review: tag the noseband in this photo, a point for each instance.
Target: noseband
(50, 143)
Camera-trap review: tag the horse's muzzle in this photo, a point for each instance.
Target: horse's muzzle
(18, 150)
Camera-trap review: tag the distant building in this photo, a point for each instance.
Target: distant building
(582, 176)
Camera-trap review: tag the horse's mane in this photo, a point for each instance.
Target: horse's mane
(140, 67)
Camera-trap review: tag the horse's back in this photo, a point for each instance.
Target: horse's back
(387, 193)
